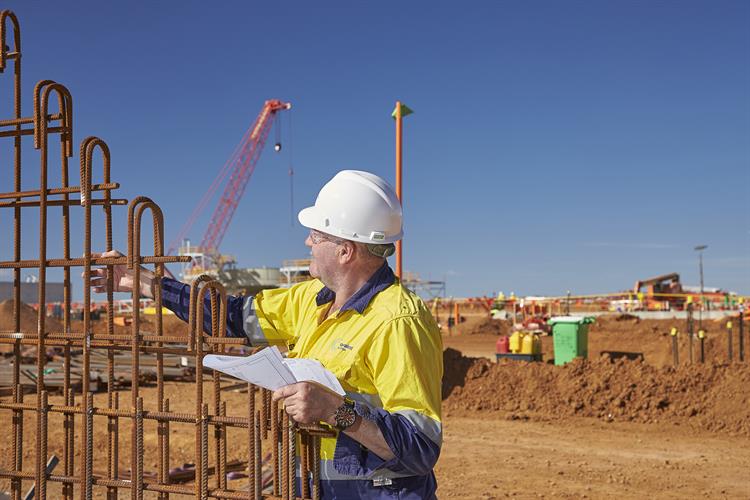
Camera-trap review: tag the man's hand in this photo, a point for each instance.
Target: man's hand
(309, 403)
(122, 278)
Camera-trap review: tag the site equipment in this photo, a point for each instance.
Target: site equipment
(206, 258)
(520, 346)
(665, 289)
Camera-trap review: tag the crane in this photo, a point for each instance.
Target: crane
(239, 167)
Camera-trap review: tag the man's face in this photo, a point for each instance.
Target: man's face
(324, 260)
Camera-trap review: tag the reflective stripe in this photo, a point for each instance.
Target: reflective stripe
(366, 399)
(250, 324)
(430, 427)
(424, 424)
(328, 472)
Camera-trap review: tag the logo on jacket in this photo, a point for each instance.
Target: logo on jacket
(341, 345)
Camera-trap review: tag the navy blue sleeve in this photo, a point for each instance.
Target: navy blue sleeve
(176, 297)
(415, 454)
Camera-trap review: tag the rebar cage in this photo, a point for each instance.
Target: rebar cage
(67, 364)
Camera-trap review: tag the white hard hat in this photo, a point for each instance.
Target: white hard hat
(357, 206)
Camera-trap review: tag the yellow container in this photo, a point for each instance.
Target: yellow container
(514, 344)
(527, 344)
(537, 344)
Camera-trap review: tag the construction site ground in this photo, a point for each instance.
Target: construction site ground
(591, 429)
(595, 429)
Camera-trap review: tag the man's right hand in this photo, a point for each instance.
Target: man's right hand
(122, 278)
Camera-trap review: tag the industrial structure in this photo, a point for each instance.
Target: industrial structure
(124, 418)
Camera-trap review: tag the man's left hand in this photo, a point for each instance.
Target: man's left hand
(308, 403)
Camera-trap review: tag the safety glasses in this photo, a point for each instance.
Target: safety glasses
(317, 237)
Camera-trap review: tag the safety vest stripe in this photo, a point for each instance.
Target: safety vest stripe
(430, 427)
(372, 400)
(250, 324)
(328, 472)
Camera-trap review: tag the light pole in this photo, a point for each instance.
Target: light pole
(700, 249)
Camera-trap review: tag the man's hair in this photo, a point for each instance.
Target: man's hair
(380, 250)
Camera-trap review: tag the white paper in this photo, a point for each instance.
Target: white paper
(270, 370)
(310, 370)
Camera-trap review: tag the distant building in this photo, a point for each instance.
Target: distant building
(30, 292)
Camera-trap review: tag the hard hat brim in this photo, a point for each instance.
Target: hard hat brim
(310, 218)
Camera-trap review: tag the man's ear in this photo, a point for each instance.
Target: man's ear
(346, 252)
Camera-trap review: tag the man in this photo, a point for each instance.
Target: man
(357, 319)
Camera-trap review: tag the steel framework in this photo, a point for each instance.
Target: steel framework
(292, 447)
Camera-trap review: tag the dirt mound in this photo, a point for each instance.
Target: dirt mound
(490, 326)
(28, 319)
(713, 396)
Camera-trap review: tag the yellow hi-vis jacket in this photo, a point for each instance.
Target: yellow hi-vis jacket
(385, 348)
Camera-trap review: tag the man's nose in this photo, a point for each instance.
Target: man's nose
(308, 241)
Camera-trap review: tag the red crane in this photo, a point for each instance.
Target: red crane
(239, 167)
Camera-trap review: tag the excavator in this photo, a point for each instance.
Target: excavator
(664, 288)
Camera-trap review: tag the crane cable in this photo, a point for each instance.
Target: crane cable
(291, 173)
(277, 147)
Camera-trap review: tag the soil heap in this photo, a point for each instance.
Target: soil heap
(711, 396)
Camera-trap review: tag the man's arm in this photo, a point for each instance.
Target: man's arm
(175, 295)
(176, 298)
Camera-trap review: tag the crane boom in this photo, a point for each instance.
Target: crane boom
(242, 165)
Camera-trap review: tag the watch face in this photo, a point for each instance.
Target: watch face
(345, 417)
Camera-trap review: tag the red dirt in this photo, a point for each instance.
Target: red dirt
(712, 397)
(591, 429)
(28, 318)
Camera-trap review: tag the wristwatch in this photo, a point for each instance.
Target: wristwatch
(345, 415)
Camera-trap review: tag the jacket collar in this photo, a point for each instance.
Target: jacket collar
(380, 280)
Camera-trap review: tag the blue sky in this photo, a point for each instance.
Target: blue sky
(555, 145)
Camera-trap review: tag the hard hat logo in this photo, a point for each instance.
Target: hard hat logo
(357, 206)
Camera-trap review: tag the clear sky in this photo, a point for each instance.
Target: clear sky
(555, 145)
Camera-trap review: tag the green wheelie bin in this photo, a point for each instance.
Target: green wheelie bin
(570, 337)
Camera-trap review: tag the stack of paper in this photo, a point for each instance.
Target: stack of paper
(270, 370)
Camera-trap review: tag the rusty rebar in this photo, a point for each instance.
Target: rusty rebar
(88, 451)
(264, 420)
(165, 447)
(304, 459)
(275, 443)
(113, 403)
(5, 17)
(257, 471)
(316, 467)
(251, 441)
(291, 470)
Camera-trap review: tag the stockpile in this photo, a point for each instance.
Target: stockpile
(713, 396)
(28, 318)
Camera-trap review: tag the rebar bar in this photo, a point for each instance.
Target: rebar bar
(86, 346)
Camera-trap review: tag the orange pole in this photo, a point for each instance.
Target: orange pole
(399, 134)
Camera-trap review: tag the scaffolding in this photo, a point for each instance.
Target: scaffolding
(293, 447)
(428, 289)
